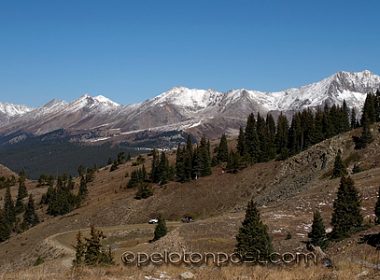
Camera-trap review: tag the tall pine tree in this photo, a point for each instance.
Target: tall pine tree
(5, 229)
(30, 216)
(317, 235)
(346, 217)
(253, 238)
(9, 208)
(22, 193)
(339, 167)
(222, 153)
(160, 230)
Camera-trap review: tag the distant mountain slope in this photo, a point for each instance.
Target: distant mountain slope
(9, 111)
(182, 109)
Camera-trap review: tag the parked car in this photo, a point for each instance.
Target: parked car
(153, 221)
(187, 219)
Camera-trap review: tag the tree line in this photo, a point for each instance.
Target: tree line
(17, 216)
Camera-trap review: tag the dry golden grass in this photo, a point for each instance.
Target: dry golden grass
(342, 271)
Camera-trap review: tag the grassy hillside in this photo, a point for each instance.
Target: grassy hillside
(287, 191)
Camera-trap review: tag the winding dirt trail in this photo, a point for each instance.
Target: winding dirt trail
(64, 241)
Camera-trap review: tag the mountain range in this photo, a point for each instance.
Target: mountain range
(180, 110)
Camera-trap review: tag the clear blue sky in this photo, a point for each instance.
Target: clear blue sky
(133, 50)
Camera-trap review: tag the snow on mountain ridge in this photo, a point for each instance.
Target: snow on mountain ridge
(183, 97)
(194, 106)
(12, 110)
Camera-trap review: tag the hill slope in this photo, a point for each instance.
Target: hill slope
(287, 191)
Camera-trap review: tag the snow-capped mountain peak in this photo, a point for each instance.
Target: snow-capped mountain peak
(86, 101)
(194, 99)
(12, 110)
(182, 108)
(105, 100)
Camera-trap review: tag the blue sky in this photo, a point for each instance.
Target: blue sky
(133, 50)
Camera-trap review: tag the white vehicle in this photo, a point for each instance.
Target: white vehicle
(153, 221)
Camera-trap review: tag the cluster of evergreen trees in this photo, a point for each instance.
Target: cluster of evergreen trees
(140, 180)
(121, 158)
(138, 177)
(7, 181)
(193, 162)
(161, 172)
(370, 115)
(61, 199)
(90, 251)
(263, 139)
(346, 218)
(10, 213)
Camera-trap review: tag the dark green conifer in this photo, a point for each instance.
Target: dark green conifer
(22, 193)
(253, 238)
(346, 217)
(160, 230)
(9, 208)
(222, 152)
(317, 235)
(5, 229)
(241, 145)
(339, 167)
(80, 249)
(30, 216)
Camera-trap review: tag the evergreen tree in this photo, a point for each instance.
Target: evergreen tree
(241, 145)
(233, 164)
(180, 164)
(222, 154)
(94, 252)
(346, 216)
(154, 175)
(369, 115)
(79, 250)
(339, 167)
(9, 208)
(134, 180)
(93, 247)
(271, 137)
(196, 164)
(252, 139)
(318, 126)
(62, 200)
(317, 235)
(163, 170)
(188, 159)
(253, 238)
(377, 208)
(282, 137)
(366, 136)
(22, 193)
(204, 158)
(160, 230)
(5, 230)
(83, 190)
(143, 191)
(46, 197)
(30, 216)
